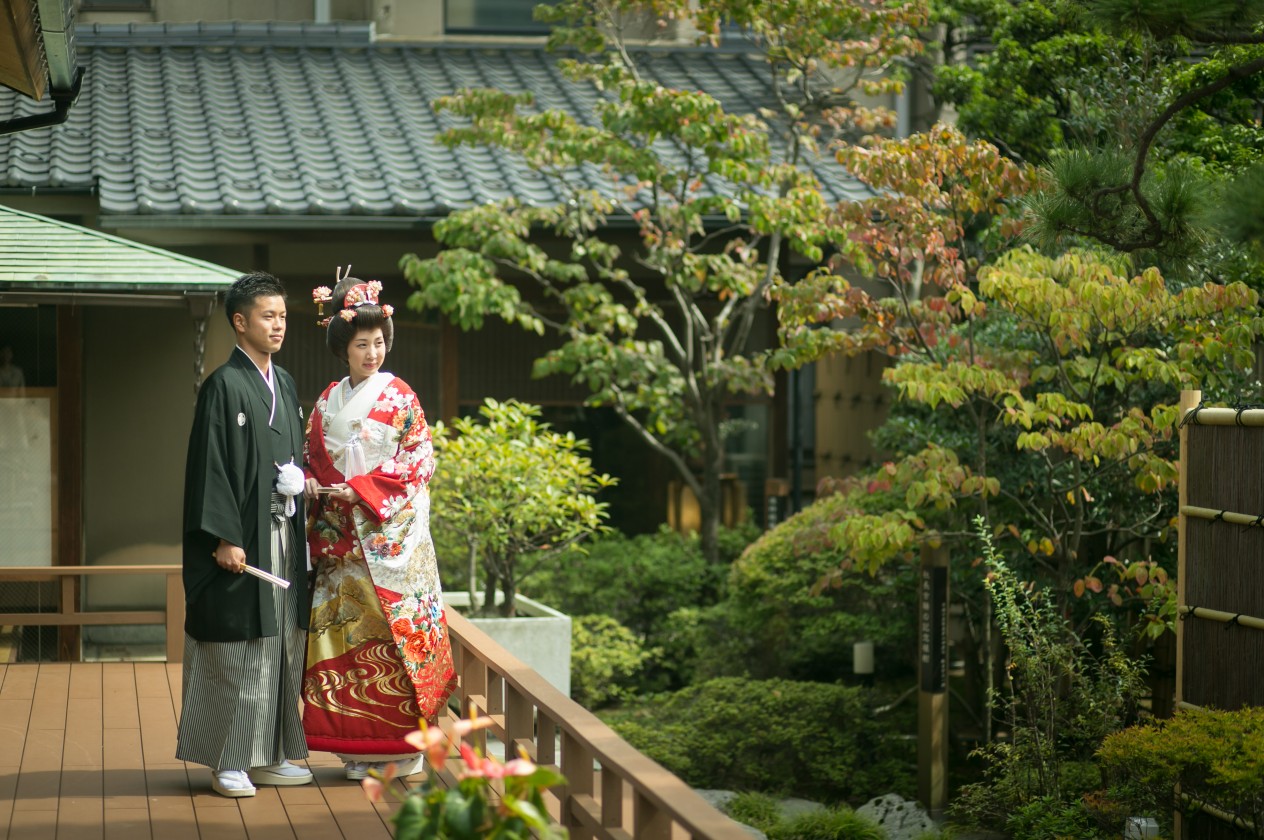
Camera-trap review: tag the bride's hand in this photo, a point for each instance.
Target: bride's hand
(345, 493)
(309, 489)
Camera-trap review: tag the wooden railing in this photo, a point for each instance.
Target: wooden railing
(68, 613)
(613, 792)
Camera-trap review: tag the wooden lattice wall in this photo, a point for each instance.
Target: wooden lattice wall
(1220, 637)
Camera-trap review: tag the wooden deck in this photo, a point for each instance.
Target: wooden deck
(87, 751)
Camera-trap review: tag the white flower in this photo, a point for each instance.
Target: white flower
(392, 505)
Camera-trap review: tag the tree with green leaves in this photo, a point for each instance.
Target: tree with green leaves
(1037, 391)
(514, 493)
(1144, 115)
(663, 330)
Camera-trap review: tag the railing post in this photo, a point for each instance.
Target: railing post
(577, 767)
(68, 637)
(519, 725)
(175, 617)
(649, 822)
(475, 684)
(611, 799)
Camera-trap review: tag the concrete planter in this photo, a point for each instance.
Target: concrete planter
(540, 636)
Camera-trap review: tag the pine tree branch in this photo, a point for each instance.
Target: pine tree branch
(1154, 228)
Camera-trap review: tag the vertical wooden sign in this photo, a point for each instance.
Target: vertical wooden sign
(932, 695)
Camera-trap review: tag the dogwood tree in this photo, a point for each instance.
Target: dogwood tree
(662, 327)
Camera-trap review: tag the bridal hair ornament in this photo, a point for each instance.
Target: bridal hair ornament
(357, 296)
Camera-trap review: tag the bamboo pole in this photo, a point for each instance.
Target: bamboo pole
(1223, 617)
(1222, 815)
(1224, 515)
(1190, 399)
(1253, 417)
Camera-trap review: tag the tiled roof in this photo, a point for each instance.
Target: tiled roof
(197, 122)
(39, 254)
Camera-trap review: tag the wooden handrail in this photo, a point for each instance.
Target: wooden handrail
(528, 712)
(69, 615)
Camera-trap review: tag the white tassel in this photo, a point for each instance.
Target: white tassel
(353, 458)
(290, 482)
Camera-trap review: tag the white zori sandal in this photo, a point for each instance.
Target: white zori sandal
(284, 773)
(231, 783)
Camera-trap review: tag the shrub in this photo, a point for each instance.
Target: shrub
(1047, 818)
(831, 824)
(774, 736)
(1061, 698)
(512, 492)
(758, 810)
(606, 658)
(1215, 757)
(776, 622)
(641, 582)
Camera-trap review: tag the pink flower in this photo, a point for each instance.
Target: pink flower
(348, 315)
(433, 742)
(388, 310)
(373, 789)
(465, 726)
(519, 767)
(479, 767)
(321, 294)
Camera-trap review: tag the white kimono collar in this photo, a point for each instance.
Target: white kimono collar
(268, 380)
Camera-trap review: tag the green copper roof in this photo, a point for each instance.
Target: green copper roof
(42, 254)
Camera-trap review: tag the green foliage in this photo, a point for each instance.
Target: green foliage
(606, 659)
(775, 736)
(1026, 89)
(1048, 818)
(1057, 394)
(1063, 695)
(777, 621)
(662, 329)
(758, 810)
(1215, 756)
(470, 809)
(828, 824)
(513, 492)
(653, 584)
(1138, 111)
(763, 812)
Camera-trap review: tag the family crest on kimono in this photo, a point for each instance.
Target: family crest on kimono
(378, 653)
(244, 634)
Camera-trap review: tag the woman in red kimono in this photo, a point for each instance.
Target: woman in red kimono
(378, 656)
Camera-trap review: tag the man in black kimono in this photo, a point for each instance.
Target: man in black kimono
(245, 637)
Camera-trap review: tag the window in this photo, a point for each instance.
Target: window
(504, 17)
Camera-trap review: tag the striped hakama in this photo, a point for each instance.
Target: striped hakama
(241, 699)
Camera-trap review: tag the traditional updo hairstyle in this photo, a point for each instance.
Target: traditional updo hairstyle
(367, 316)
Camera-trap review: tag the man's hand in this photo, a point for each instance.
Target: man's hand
(230, 557)
(309, 489)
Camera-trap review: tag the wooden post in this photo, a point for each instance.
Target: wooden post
(1189, 401)
(175, 618)
(449, 372)
(932, 694)
(69, 477)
